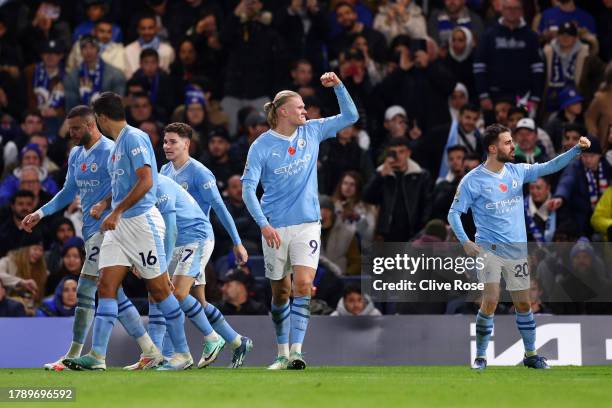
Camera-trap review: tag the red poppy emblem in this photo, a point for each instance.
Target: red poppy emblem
(291, 150)
(83, 167)
(503, 187)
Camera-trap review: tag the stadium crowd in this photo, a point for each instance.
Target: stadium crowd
(426, 75)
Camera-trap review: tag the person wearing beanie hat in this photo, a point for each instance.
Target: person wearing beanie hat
(93, 76)
(581, 186)
(45, 88)
(494, 193)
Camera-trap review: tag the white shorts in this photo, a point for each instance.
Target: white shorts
(92, 255)
(515, 272)
(191, 259)
(300, 245)
(139, 242)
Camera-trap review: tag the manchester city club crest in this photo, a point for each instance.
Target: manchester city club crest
(93, 167)
(185, 185)
(301, 143)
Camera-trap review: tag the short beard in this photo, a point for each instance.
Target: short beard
(504, 158)
(85, 139)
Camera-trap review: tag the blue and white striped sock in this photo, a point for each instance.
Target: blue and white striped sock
(175, 322)
(484, 328)
(527, 327)
(129, 316)
(221, 326)
(156, 326)
(106, 314)
(282, 325)
(195, 312)
(300, 316)
(83, 315)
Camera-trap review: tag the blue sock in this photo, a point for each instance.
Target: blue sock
(300, 315)
(129, 316)
(85, 310)
(168, 348)
(106, 314)
(156, 326)
(281, 320)
(218, 322)
(527, 326)
(484, 328)
(175, 322)
(194, 311)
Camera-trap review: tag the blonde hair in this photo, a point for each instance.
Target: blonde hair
(26, 270)
(271, 108)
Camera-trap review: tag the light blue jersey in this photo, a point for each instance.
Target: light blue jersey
(87, 176)
(287, 168)
(132, 151)
(188, 217)
(496, 199)
(199, 181)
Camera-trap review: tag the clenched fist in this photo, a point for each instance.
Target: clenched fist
(330, 79)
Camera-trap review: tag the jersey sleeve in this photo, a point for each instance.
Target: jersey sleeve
(139, 152)
(250, 179)
(328, 127)
(531, 172)
(463, 197)
(208, 187)
(65, 196)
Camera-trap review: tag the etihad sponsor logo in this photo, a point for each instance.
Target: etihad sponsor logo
(87, 183)
(294, 167)
(508, 202)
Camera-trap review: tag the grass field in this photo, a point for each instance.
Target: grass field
(318, 387)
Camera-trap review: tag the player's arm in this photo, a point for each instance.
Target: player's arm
(533, 171)
(171, 232)
(98, 208)
(348, 111)
(461, 203)
(62, 199)
(250, 180)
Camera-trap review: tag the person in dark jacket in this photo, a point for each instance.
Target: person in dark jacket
(508, 61)
(10, 307)
(445, 189)
(402, 189)
(237, 300)
(581, 186)
(64, 300)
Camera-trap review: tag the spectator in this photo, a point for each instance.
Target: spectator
(435, 231)
(502, 109)
(446, 187)
(598, 116)
(455, 14)
(535, 294)
(218, 159)
(463, 133)
(140, 109)
(62, 230)
(42, 142)
(95, 11)
(24, 272)
(111, 51)
(376, 71)
(45, 26)
(582, 184)
(236, 297)
(602, 216)
(64, 300)
(188, 64)
(396, 126)
(44, 81)
(11, 235)
(339, 243)
(301, 78)
(29, 175)
(153, 129)
(71, 263)
(515, 114)
(147, 38)
(250, 39)
(555, 17)
(541, 223)
(460, 59)
(32, 123)
(570, 112)
(339, 155)
(402, 190)
(527, 149)
(351, 209)
(255, 124)
(400, 17)
(354, 303)
(92, 77)
(9, 307)
(507, 62)
(457, 100)
(347, 18)
(305, 28)
(419, 85)
(569, 64)
(247, 228)
(571, 134)
(12, 100)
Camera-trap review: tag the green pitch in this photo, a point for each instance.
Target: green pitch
(317, 387)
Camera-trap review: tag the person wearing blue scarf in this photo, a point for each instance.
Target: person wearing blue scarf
(63, 302)
(92, 77)
(46, 89)
(540, 221)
